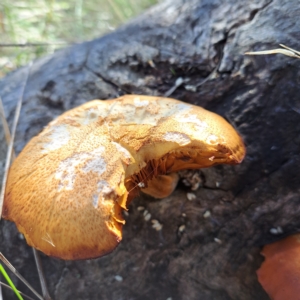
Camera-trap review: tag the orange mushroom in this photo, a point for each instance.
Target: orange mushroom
(67, 188)
(279, 274)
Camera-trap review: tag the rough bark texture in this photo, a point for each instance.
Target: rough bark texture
(203, 42)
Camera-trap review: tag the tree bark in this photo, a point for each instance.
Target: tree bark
(202, 42)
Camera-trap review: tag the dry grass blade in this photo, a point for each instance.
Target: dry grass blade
(5, 127)
(38, 263)
(291, 49)
(8, 287)
(10, 145)
(286, 51)
(9, 265)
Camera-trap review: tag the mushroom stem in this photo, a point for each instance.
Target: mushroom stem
(161, 186)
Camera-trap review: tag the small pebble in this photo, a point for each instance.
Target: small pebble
(191, 178)
(172, 60)
(181, 228)
(147, 217)
(195, 186)
(273, 231)
(276, 231)
(119, 278)
(280, 230)
(140, 208)
(151, 63)
(207, 214)
(218, 241)
(21, 236)
(156, 225)
(191, 88)
(191, 196)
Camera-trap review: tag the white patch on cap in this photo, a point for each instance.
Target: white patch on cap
(177, 110)
(140, 103)
(58, 136)
(90, 116)
(96, 163)
(212, 139)
(95, 200)
(177, 137)
(183, 107)
(139, 112)
(66, 171)
(191, 119)
(122, 150)
(103, 189)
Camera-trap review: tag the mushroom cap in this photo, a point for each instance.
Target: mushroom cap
(279, 274)
(67, 188)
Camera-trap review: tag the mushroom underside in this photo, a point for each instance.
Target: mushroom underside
(159, 178)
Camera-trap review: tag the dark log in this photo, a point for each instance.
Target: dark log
(202, 42)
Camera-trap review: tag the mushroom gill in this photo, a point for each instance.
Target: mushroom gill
(67, 188)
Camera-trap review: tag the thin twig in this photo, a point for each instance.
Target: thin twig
(13, 133)
(10, 266)
(33, 45)
(38, 263)
(8, 287)
(286, 51)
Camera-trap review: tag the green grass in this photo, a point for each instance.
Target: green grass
(46, 25)
(5, 275)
